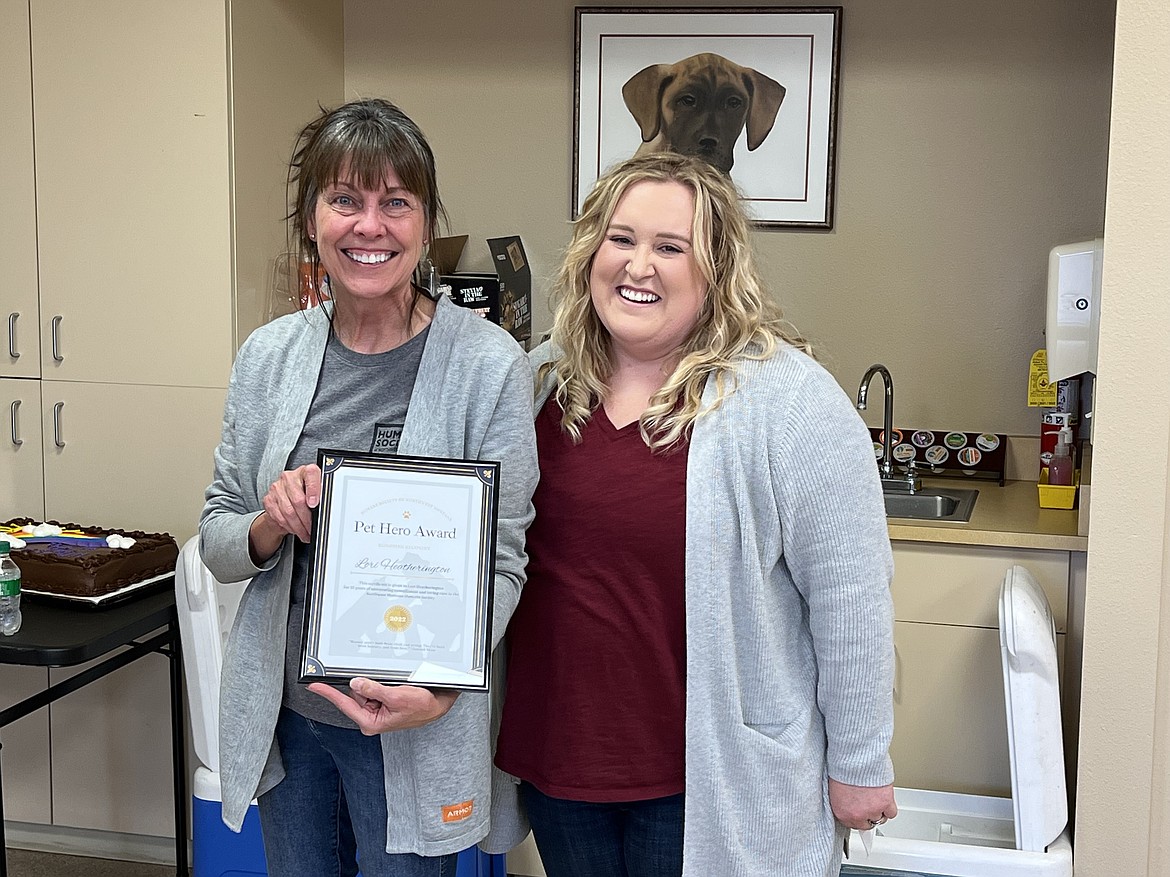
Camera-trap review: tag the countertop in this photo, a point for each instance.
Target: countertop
(1008, 517)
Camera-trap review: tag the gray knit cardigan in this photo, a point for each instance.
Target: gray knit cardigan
(472, 399)
(789, 621)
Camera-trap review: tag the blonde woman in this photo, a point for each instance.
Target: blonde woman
(707, 624)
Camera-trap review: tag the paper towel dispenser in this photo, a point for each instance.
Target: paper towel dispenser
(1074, 308)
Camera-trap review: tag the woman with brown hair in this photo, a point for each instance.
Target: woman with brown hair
(396, 778)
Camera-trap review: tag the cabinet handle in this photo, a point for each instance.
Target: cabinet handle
(12, 351)
(56, 335)
(16, 439)
(897, 674)
(57, 424)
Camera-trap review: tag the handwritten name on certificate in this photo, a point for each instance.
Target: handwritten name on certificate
(400, 586)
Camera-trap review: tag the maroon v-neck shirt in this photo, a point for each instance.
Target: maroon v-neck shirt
(596, 700)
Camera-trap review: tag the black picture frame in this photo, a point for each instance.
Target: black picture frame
(783, 158)
(402, 594)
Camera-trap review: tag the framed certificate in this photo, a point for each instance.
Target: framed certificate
(401, 583)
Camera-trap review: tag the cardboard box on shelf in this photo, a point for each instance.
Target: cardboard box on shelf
(504, 297)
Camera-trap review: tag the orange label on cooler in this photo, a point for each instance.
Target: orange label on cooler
(457, 812)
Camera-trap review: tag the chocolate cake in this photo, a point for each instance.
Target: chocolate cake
(77, 561)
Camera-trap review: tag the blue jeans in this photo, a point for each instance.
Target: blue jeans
(627, 839)
(328, 814)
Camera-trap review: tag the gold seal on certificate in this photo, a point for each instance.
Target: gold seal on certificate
(400, 586)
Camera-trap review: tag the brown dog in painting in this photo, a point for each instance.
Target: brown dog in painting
(699, 105)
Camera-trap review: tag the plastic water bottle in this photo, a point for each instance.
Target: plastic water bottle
(9, 592)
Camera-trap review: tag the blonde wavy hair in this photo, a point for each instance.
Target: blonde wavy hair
(737, 319)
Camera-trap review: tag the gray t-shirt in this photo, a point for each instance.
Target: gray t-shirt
(359, 405)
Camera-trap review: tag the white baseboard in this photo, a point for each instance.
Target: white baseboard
(89, 842)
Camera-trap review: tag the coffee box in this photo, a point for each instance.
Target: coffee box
(504, 297)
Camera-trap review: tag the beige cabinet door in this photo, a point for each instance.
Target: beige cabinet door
(950, 726)
(27, 794)
(132, 187)
(22, 471)
(20, 348)
(134, 457)
(111, 744)
(950, 722)
(959, 584)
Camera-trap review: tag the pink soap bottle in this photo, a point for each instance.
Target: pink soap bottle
(1060, 467)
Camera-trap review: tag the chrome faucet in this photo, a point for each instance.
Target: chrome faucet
(912, 481)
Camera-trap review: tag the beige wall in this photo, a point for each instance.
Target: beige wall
(1123, 810)
(292, 64)
(972, 139)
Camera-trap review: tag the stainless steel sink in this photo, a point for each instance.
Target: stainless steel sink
(932, 504)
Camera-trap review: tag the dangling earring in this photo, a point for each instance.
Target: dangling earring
(428, 275)
(429, 278)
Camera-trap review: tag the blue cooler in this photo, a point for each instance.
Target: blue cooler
(473, 863)
(206, 609)
(219, 851)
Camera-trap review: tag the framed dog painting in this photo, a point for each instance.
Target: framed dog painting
(751, 90)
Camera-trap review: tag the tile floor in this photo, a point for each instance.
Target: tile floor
(24, 863)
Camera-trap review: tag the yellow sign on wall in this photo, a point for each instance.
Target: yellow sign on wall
(1041, 393)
